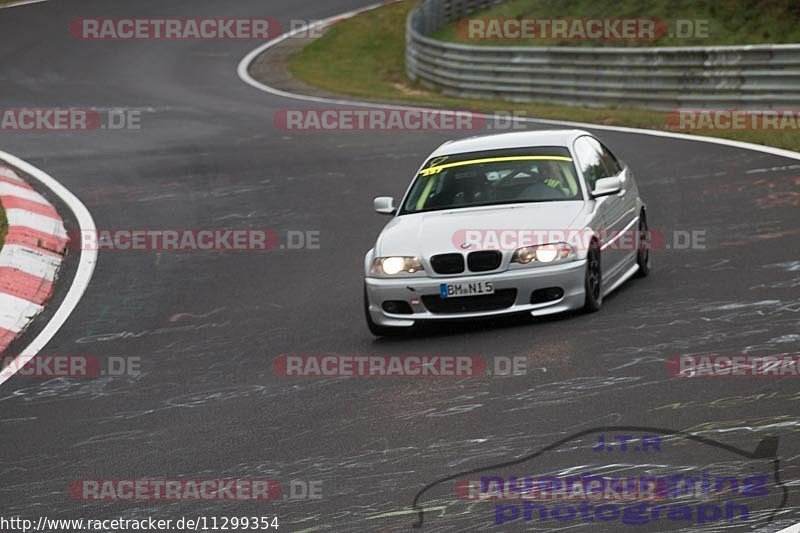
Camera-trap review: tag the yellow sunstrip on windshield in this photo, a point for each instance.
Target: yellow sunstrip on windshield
(438, 168)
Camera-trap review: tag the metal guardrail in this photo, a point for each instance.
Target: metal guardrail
(752, 76)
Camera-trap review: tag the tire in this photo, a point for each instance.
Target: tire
(377, 329)
(643, 253)
(593, 280)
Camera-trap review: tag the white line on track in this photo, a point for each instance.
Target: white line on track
(244, 74)
(83, 275)
(22, 3)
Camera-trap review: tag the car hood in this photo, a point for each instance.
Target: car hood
(426, 234)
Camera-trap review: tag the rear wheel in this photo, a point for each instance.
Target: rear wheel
(644, 246)
(593, 279)
(377, 329)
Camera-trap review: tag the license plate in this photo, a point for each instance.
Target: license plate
(456, 290)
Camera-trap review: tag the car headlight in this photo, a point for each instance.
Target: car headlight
(544, 254)
(391, 266)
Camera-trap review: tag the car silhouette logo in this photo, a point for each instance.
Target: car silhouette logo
(766, 451)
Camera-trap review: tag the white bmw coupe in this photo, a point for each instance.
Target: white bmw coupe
(536, 222)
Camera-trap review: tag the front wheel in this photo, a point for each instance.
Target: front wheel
(593, 280)
(377, 329)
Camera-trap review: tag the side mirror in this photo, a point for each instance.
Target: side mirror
(607, 186)
(385, 205)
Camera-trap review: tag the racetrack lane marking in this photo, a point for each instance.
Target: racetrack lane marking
(83, 274)
(22, 3)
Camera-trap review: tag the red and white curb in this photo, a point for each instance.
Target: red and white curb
(40, 238)
(31, 256)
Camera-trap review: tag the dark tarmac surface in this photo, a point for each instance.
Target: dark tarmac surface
(207, 326)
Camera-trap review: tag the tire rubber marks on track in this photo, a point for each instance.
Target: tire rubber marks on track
(31, 256)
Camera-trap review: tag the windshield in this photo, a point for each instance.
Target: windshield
(544, 174)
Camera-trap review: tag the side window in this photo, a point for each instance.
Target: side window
(590, 160)
(610, 161)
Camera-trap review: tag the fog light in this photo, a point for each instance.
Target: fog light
(397, 307)
(549, 294)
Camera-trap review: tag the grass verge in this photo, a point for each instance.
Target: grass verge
(364, 57)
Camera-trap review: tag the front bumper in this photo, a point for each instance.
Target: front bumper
(567, 276)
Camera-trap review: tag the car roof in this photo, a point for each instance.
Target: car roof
(517, 139)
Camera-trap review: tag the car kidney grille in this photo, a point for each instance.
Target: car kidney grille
(483, 261)
(448, 263)
(501, 299)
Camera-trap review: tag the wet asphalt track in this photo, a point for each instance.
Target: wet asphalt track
(207, 326)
